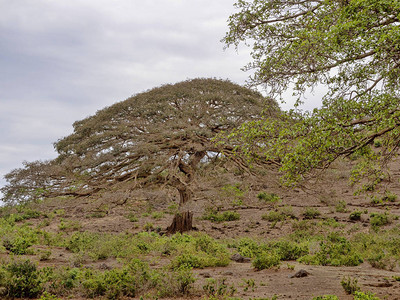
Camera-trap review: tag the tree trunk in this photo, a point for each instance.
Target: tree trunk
(182, 222)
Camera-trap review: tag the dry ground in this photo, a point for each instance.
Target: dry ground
(324, 195)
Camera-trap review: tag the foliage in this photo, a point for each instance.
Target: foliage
(163, 135)
(280, 214)
(355, 215)
(215, 216)
(47, 296)
(379, 219)
(326, 297)
(364, 296)
(218, 288)
(200, 252)
(311, 213)
(235, 193)
(336, 251)
(350, 285)
(21, 279)
(351, 49)
(268, 197)
(341, 206)
(266, 260)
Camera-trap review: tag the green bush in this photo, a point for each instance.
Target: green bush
(21, 279)
(334, 251)
(341, 206)
(47, 296)
(266, 260)
(157, 215)
(132, 218)
(362, 296)
(326, 297)
(350, 285)
(62, 280)
(234, 192)
(17, 245)
(289, 250)
(218, 289)
(355, 215)
(378, 219)
(215, 216)
(268, 197)
(311, 213)
(247, 247)
(390, 197)
(274, 216)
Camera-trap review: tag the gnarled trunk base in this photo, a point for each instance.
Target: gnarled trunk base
(182, 222)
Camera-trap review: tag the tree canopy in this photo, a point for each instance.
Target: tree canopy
(352, 49)
(157, 137)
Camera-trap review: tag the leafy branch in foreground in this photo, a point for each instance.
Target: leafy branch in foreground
(352, 48)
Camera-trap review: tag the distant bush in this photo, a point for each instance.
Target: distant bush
(379, 219)
(341, 206)
(281, 214)
(326, 297)
(218, 289)
(266, 260)
(355, 215)
(311, 213)
(362, 296)
(274, 216)
(215, 216)
(350, 285)
(268, 197)
(335, 251)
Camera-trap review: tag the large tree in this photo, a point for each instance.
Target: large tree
(161, 136)
(351, 49)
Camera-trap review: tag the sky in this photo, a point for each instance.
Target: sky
(61, 61)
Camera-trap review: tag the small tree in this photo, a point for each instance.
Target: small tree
(161, 136)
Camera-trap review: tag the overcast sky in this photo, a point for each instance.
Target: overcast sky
(61, 61)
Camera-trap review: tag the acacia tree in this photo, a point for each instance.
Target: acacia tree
(161, 136)
(352, 49)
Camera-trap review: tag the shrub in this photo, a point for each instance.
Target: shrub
(355, 215)
(268, 197)
(21, 279)
(378, 219)
(389, 196)
(381, 260)
(326, 297)
(311, 213)
(266, 260)
(157, 215)
(69, 225)
(17, 245)
(362, 296)
(47, 296)
(61, 280)
(184, 279)
(249, 248)
(274, 216)
(215, 216)
(335, 251)
(132, 218)
(341, 206)
(234, 192)
(289, 250)
(350, 285)
(218, 289)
